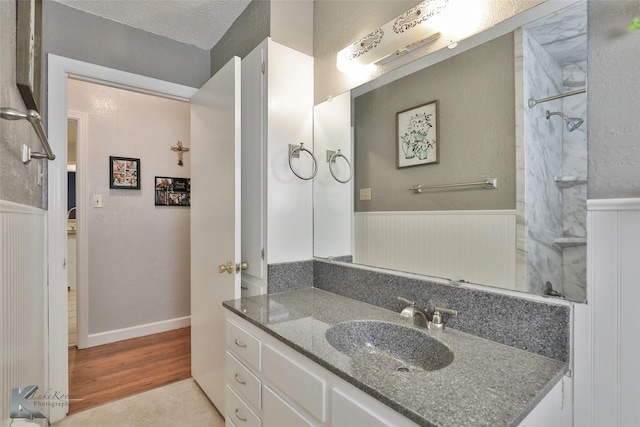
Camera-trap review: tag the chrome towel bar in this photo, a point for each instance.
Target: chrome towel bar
(488, 184)
(34, 118)
(534, 102)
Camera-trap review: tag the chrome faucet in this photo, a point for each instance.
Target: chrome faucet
(411, 312)
(420, 318)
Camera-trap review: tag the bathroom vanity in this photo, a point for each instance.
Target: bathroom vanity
(287, 363)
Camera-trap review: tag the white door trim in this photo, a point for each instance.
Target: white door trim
(59, 69)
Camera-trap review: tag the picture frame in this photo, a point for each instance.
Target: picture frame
(172, 191)
(417, 135)
(124, 173)
(28, 51)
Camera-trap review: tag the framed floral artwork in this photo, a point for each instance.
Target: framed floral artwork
(418, 135)
(125, 173)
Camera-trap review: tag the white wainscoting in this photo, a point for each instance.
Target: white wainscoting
(607, 327)
(477, 246)
(23, 302)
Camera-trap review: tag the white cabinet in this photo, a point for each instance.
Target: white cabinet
(294, 390)
(277, 110)
(277, 412)
(296, 381)
(350, 410)
(552, 411)
(247, 384)
(239, 411)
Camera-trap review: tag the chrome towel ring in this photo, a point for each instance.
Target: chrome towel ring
(294, 152)
(332, 156)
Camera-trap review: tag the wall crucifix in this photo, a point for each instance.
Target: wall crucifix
(180, 149)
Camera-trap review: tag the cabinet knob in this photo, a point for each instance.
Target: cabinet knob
(242, 266)
(239, 380)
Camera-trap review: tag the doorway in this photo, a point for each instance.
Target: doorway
(59, 70)
(136, 251)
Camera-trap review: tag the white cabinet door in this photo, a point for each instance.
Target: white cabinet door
(279, 413)
(215, 223)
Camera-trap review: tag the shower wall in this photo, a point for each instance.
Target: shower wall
(554, 209)
(574, 198)
(543, 148)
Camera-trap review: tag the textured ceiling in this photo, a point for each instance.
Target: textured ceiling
(199, 23)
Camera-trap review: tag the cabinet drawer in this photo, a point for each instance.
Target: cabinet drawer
(240, 378)
(244, 345)
(300, 385)
(239, 412)
(278, 413)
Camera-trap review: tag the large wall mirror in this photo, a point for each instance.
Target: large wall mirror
(495, 123)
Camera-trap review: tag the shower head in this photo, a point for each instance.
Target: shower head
(571, 122)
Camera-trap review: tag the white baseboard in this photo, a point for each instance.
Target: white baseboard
(137, 331)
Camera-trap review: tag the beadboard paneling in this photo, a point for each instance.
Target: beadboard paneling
(23, 310)
(477, 246)
(606, 345)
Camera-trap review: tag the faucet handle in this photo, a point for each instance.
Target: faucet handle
(445, 311)
(436, 321)
(406, 301)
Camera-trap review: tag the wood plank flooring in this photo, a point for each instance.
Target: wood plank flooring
(112, 371)
(73, 317)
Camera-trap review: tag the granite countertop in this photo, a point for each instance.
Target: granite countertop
(487, 384)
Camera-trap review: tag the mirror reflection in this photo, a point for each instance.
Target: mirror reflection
(528, 233)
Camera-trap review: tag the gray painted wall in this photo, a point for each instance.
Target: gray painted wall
(251, 27)
(614, 100)
(18, 182)
(475, 93)
(292, 24)
(288, 22)
(78, 35)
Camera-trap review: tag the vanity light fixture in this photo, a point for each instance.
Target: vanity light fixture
(397, 37)
(408, 48)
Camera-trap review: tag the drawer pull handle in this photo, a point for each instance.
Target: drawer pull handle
(239, 380)
(239, 344)
(239, 417)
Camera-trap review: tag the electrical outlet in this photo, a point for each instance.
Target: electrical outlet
(97, 200)
(365, 194)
